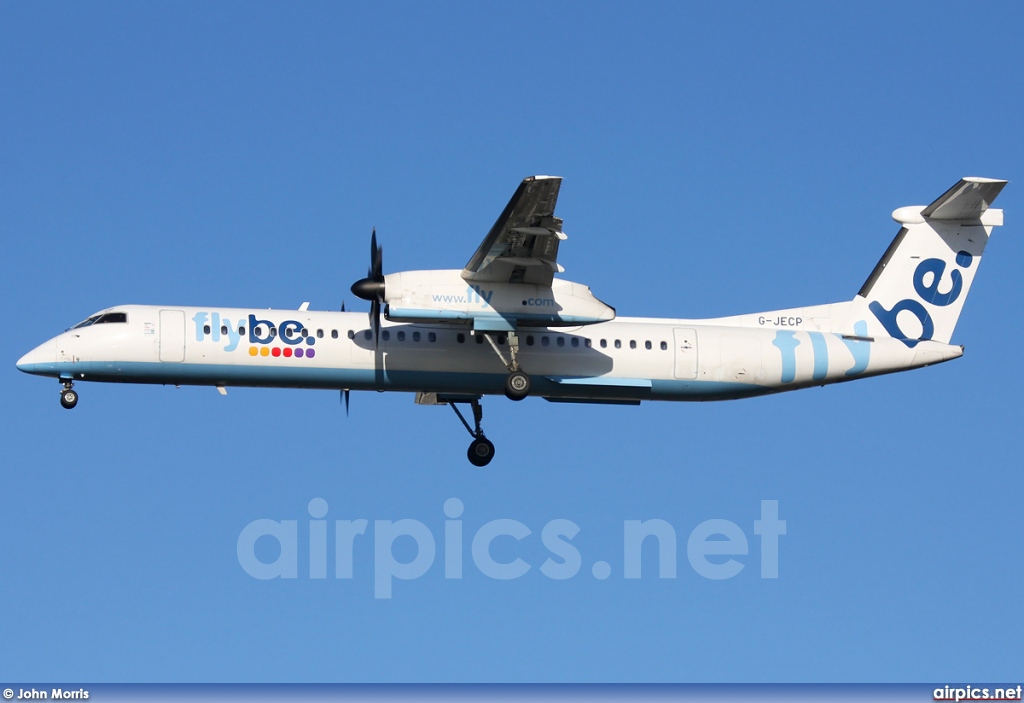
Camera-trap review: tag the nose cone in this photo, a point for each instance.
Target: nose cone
(40, 360)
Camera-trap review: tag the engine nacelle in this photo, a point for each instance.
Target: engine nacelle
(445, 296)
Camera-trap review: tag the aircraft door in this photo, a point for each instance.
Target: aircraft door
(172, 335)
(685, 353)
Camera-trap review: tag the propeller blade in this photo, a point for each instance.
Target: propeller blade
(344, 399)
(375, 321)
(376, 258)
(372, 287)
(343, 306)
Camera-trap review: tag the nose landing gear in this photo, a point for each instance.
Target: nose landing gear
(68, 397)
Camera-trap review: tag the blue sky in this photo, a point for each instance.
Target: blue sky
(718, 159)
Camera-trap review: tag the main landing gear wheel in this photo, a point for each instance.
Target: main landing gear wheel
(517, 385)
(481, 451)
(68, 398)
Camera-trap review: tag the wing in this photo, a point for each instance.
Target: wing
(522, 246)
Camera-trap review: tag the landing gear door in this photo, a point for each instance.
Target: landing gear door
(172, 335)
(686, 352)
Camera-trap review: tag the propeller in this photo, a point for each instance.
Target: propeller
(344, 399)
(372, 287)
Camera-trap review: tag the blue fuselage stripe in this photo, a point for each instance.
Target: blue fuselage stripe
(388, 380)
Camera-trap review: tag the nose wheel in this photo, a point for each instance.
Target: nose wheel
(68, 397)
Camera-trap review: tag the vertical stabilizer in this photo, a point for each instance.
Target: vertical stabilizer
(917, 290)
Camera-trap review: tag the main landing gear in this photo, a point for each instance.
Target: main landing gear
(481, 450)
(68, 397)
(517, 383)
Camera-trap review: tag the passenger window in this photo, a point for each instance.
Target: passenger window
(632, 344)
(479, 339)
(544, 341)
(460, 338)
(224, 330)
(385, 335)
(502, 339)
(351, 334)
(664, 346)
(273, 331)
(401, 336)
(305, 332)
(575, 341)
(206, 329)
(604, 343)
(618, 344)
(529, 340)
(560, 341)
(431, 337)
(241, 330)
(647, 344)
(258, 331)
(368, 335)
(590, 343)
(415, 336)
(334, 334)
(319, 334)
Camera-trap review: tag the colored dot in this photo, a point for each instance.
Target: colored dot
(264, 351)
(275, 351)
(964, 259)
(310, 353)
(253, 351)
(298, 353)
(287, 351)
(601, 570)
(310, 341)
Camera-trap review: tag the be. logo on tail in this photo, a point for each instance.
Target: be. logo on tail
(927, 282)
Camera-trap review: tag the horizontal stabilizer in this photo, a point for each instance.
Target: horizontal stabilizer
(967, 200)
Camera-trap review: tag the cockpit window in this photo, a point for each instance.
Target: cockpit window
(101, 319)
(112, 317)
(86, 323)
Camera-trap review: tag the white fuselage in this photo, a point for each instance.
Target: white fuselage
(623, 360)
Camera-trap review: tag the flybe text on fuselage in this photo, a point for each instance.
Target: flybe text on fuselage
(261, 333)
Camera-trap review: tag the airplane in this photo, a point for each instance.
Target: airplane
(505, 324)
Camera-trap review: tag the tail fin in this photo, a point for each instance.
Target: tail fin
(917, 290)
